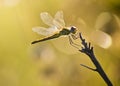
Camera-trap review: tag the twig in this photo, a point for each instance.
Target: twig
(88, 67)
(88, 50)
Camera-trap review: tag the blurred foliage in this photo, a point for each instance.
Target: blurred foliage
(55, 62)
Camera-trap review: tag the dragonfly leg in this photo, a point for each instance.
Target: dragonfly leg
(75, 36)
(73, 44)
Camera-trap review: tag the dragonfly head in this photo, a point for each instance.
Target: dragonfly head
(73, 29)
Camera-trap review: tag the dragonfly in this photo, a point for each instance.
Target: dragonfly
(56, 27)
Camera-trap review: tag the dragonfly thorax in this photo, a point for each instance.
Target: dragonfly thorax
(73, 29)
(65, 31)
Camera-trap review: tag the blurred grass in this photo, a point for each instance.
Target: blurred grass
(52, 63)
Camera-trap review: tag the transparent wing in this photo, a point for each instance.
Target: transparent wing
(47, 18)
(45, 31)
(58, 20)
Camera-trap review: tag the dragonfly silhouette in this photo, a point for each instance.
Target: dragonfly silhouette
(56, 27)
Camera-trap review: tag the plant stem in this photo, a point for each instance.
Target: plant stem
(99, 69)
(88, 50)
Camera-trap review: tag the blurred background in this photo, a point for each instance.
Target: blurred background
(56, 62)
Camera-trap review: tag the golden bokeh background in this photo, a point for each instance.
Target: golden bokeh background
(56, 62)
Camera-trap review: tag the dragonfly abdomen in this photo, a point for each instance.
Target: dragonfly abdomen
(45, 39)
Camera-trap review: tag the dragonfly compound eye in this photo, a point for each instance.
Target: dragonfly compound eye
(73, 29)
